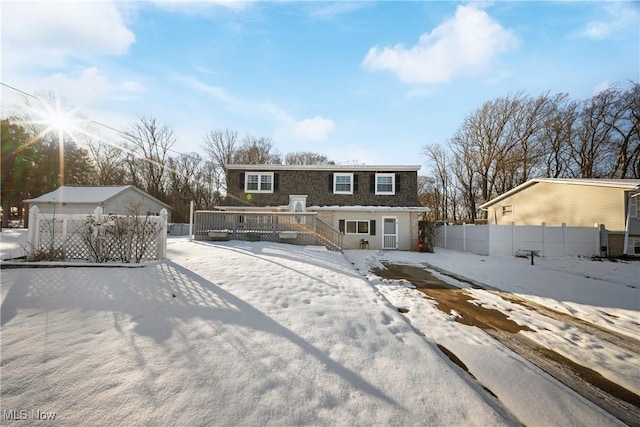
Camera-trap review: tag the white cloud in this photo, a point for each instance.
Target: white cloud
(315, 129)
(86, 89)
(66, 27)
(132, 86)
(332, 9)
(93, 86)
(465, 44)
(600, 87)
(196, 6)
(597, 30)
(614, 17)
(263, 108)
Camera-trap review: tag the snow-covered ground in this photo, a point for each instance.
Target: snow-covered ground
(238, 333)
(604, 293)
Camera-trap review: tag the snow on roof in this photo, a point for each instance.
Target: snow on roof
(286, 208)
(89, 194)
(371, 168)
(371, 208)
(627, 184)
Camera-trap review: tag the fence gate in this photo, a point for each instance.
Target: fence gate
(390, 232)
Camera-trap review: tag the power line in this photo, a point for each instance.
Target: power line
(104, 125)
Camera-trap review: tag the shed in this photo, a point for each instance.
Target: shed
(117, 199)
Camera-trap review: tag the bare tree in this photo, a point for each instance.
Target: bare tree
(439, 161)
(591, 151)
(510, 140)
(150, 144)
(429, 196)
(624, 120)
(467, 179)
(256, 151)
(482, 148)
(206, 190)
(109, 161)
(306, 158)
(180, 186)
(527, 124)
(221, 147)
(557, 136)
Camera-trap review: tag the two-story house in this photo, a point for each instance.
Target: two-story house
(375, 207)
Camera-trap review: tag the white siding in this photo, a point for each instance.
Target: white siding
(118, 205)
(127, 199)
(352, 241)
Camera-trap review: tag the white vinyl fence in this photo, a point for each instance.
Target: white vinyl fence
(96, 237)
(507, 240)
(178, 229)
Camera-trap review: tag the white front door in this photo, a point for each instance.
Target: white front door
(390, 232)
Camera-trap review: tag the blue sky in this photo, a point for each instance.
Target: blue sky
(364, 82)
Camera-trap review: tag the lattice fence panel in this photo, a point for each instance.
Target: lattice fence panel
(98, 238)
(75, 245)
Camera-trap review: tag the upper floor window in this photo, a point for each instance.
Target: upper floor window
(343, 183)
(258, 182)
(385, 183)
(507, 210)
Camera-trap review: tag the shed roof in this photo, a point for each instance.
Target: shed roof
(625, 184)
(88, 194)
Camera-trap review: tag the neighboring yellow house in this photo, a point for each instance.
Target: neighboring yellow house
(613, 203)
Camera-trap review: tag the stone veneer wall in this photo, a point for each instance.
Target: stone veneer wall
(316, 185)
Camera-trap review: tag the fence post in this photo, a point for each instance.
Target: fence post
(543, 228)
(597, 233)
(490, 243)
(513, 238)
(445, 234)
(162, 236)
(464, 237)
(190, 220)
(34, 229)
(564, 239)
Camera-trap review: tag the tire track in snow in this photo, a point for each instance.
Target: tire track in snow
(613, 398)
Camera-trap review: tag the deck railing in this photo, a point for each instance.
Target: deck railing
(301, 228)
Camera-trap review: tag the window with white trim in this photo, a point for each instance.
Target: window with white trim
(360, 227)
(343, 183)
(356, 227)
(385, 183)
(258, 182)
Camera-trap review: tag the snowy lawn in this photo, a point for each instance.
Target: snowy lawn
(256, 334)
(239, 333)
(12, 242)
